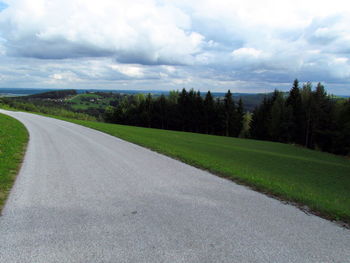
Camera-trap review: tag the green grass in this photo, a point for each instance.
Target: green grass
(316, 179)
(13, 140)
(78, 102)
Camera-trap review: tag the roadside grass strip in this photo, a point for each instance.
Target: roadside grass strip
(13, 141)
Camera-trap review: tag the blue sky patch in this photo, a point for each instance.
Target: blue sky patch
(3, 6)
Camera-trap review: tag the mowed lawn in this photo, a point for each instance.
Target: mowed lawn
(319, 180)
(13, 140)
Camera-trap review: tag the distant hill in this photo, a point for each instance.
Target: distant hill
(12, 92)
(57, 94)
(250, 100)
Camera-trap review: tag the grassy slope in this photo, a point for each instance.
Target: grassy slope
(13, 139)
(319, 180)
(79, 104)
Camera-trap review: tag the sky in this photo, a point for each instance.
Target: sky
(245, 46)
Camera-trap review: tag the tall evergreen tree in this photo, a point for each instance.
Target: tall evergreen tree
(219, 121)
(323, 119)
(229, 107)
(208, 113)
(261, 120)
(240, 118)
(296, 130)
(280, 119)
(183, 106)
(306, 98)
(191, 111)
(148, 110)
(342, 140)
(174, 118)
(160, 112)
(199, 112)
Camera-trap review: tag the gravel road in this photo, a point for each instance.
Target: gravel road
(84, 196)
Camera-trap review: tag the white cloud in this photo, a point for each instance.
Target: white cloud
(62, 77)
(245, 52)
(132, 31)
(129, 70)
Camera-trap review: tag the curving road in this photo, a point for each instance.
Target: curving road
(84, 196)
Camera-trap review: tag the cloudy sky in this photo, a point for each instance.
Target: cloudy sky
(245, 46)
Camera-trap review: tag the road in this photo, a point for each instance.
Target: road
(84, 196)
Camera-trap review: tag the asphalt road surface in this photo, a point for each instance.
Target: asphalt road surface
(84, 196)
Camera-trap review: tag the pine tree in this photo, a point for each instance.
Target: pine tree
(208, 113)
(160, 112)
(148, 110)
(199, 112)
(229, 107)
(306, 98)
(240, 118)
(277, 118)
(296, 130)
(342, 140)
(191, 111)
(220, 117)
(323, 119)
(260, 120)
(183, 109)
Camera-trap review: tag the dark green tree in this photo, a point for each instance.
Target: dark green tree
(323, 119)
(208, 113)
(342, 141)
(296, 130)
(230, 114)
(306, 98)
(183, 109)
(239, 118)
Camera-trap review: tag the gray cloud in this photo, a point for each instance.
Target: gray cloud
(166, 44)
(136, 32)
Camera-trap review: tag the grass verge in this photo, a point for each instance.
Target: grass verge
(13, 140)
(319, 180)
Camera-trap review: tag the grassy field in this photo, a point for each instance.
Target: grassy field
(90, 100)
(316, 179)
(13, 139)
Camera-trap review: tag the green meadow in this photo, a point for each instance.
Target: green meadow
(13, 140)
(316, 179)
(89, 100)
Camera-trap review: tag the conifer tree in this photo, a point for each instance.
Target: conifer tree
(229, 107)
(240, 118)
(208, 113)
(296, 129)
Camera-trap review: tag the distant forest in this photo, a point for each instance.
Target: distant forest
(305, 116)
(183, 111)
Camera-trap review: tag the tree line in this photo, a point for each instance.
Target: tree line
(306, 116)
(184, 111)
